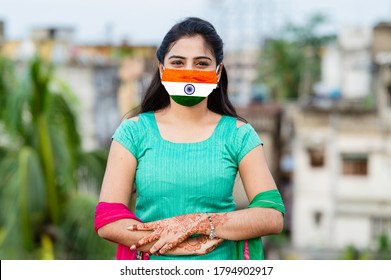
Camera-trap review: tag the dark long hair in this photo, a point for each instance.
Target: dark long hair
(156, 96)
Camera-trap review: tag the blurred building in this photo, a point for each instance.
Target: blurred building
(243, 26)
(107, 80)
(266, 120)
(242, 69)
(341, 148)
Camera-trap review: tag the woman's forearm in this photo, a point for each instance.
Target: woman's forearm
(247, 223)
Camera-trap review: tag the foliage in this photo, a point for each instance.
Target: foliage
(382, 252)
(44, 169)
(384, 249)
(280, 69)
(352, 253)
(290, 63)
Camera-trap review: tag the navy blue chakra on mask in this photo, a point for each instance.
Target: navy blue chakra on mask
(189, 89)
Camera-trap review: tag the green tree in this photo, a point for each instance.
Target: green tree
(290, 63)
(384, 248)
(49, 184)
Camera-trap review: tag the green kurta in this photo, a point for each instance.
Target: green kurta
(180, 178)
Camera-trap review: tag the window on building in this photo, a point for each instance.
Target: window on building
(389, 94)
(355, 164)
(316, 157)
(318, 218)
(380, 229)
(388, 86)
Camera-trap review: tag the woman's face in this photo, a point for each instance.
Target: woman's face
(190, 53)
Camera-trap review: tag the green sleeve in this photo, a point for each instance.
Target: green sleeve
(127, 135)
(246, 140)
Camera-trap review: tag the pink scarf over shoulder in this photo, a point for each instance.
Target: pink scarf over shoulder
(108, 212)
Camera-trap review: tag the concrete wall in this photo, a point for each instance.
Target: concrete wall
(330, 209)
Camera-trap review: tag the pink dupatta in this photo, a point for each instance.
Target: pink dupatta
(106, 213)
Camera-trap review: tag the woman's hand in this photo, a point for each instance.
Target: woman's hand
(168, 233)
(199, 245)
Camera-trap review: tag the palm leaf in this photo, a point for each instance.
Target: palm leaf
(47, 178)
(91, 169)
(24, 193)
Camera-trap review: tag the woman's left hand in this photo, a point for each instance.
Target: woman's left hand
(199, 245)
(172, 231)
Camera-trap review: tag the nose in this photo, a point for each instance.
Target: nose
(189, 66)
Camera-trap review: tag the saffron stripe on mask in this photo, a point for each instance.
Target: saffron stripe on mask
(188, 89)
(189, 76)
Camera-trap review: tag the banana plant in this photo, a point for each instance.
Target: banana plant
(49, 185)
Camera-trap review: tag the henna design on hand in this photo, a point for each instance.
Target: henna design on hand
(191, 245)
(199, 245)
(173, 231)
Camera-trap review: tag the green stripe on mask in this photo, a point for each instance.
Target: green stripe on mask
(187, 100)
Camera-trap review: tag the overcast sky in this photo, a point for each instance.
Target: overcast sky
(146, 21)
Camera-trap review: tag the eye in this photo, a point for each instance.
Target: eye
(176, 62)
(203, 63)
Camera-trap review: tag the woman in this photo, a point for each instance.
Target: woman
(183, 152)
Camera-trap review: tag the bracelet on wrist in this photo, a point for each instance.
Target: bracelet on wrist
(212, 233)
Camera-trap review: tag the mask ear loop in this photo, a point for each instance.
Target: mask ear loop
(161, 71)
(217, 70)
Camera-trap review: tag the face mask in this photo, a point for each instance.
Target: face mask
(189, 87)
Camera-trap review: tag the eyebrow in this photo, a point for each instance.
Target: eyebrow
(182, 57)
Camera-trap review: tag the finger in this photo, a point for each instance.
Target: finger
(167, 242)
(157, 246)
(212, 245)
(218, 241)
(145, 240)
(169, 245)
(210, 249)
(146, 226)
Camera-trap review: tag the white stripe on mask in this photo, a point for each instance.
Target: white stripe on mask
(188, 89)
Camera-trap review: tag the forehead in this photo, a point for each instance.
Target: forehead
(190, 47)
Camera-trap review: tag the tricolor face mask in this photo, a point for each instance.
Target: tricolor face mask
(189, 87)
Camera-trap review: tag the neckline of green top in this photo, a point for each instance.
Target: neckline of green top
(156, 128)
